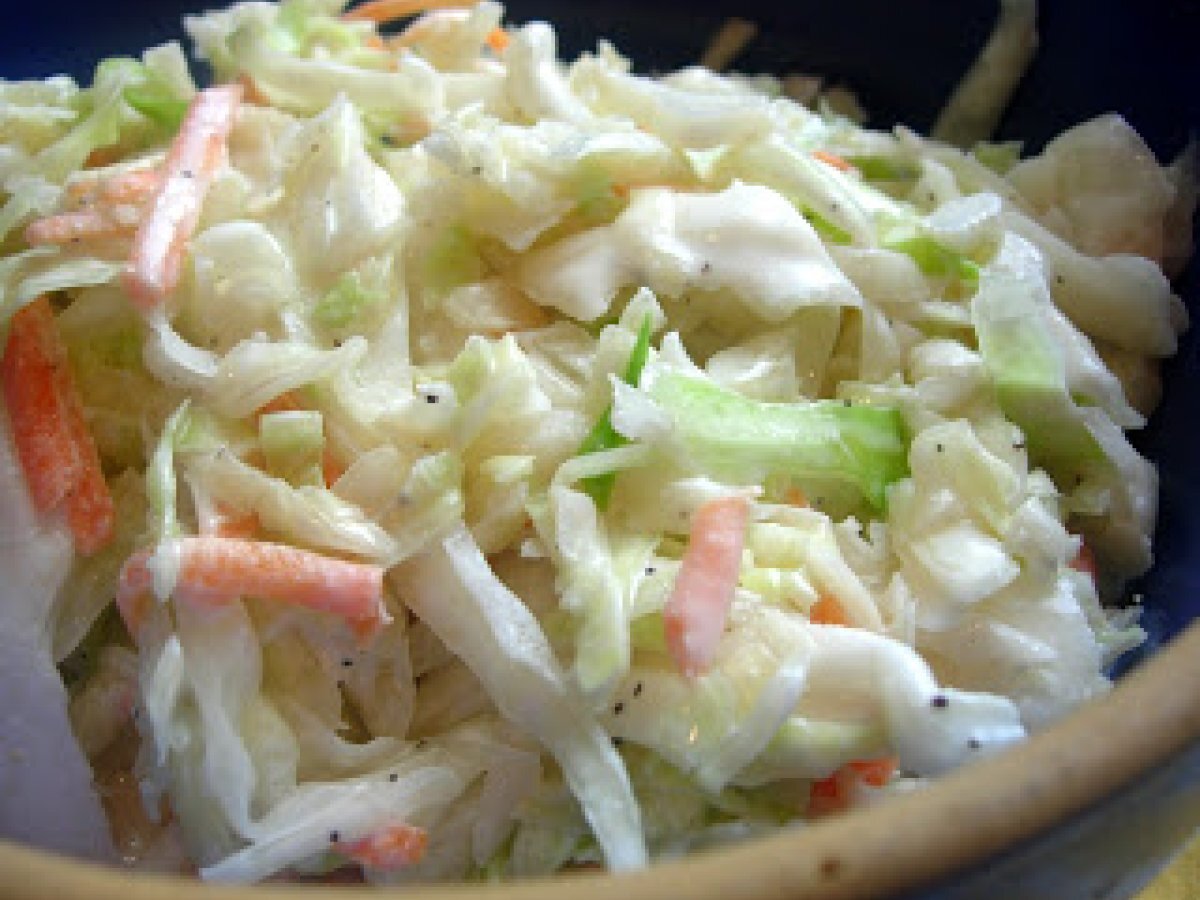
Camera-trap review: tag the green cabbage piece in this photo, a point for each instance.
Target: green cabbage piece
(603, 436)
(292, 444)
(347, 300)
(748, 441)
(1028, 372)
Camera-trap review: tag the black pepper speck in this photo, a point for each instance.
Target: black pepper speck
(939, 701)
(618, 709)
(637, 689)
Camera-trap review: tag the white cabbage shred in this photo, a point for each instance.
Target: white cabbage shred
(504, 327)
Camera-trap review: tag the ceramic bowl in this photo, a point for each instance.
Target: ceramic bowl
(1091, 808)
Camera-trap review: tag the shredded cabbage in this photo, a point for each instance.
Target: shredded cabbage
(489, 329)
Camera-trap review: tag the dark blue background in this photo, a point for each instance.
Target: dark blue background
(1138, 57)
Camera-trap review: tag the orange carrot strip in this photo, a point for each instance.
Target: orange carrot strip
(836, 793)
(214, 571)
(90, 512)
(830, 795)
(833, 159)
(383, 11)
(134, 187)
(388, 848)
(875, 772)
(71, 227)
(498, 39)
(695, 614)
(828, 611)
(197, 152)
(37, 409)
(57, 452)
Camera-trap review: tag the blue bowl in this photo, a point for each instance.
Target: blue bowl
(1100, 840)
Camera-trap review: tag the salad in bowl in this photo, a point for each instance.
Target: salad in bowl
(427, 459)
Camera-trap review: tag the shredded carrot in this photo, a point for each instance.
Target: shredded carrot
(836, 793)
(36, 408)
(199, 148)
(133, 186)
(388, 848)
(828, 611)
(214, 571)
(57, 453)
(875, 772)
(104, 208)
(498, 40)
(90, 512)
(72, 227)
(383, 11)
(695, 614)
(834, 160)
(832, 794)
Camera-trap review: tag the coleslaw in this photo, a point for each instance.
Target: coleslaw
(435, 460)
